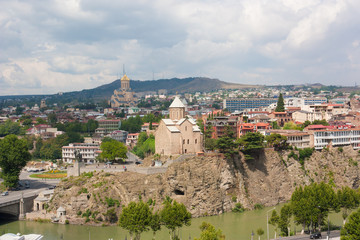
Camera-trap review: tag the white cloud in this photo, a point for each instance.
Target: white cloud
(52, 46)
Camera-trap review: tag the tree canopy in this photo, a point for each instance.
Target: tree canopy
(351, 230)
(113, 150)
(14, 155)
(208, 232)
(280, 107)
(136, 218)
(173, 216)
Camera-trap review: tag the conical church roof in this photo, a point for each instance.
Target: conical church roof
(125, 78)
(177, 103)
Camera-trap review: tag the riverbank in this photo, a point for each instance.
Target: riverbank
(235, 226)
(207, 185)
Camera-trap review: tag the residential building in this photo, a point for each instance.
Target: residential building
(108, 125)
(281, 117)
(295, 138)
(245, 128)
(118, 135)
(219, 123)
(131, 139)
(337, 136)
(88, 151)
(240, 104)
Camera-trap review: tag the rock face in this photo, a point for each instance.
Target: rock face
(210, 184)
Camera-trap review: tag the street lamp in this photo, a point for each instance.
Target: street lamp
(267, 222)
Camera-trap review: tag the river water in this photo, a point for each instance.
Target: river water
(234, 225)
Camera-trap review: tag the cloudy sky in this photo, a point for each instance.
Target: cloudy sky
(48, 46)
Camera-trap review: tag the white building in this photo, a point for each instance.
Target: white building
(337, 137)
(88, 151)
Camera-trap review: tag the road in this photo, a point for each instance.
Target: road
(36, 186)
(333, 235)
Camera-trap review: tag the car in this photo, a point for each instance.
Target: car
(316, 235)
(51, 187)
(5, 193)
(138, 162)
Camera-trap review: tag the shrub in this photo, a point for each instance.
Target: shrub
(238, 208)
(258, 206)
(340, 149)
(111, 215)
(79, 213)
(83, 190)
(234, 199)
(87, 213)
(67, 221)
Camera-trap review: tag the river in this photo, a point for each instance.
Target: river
(234, 225)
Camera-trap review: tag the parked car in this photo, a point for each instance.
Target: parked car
(5, 193)
(316, 235)
(27, 184)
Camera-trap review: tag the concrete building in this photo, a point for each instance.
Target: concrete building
(240, 104)
(88, 151)
(337, 136)
(179, 134)
(118, 135)
(295, 138)
(110, 124)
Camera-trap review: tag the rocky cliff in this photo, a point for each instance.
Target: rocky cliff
(210, 184)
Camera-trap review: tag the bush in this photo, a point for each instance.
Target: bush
(79, 213)
(67, 221)
(83, 190)
(258, 206)
(111, 216)
(234, 199)
(340, 149)
(238, 208)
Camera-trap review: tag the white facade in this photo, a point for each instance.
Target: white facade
(337, 138)
(88, 151)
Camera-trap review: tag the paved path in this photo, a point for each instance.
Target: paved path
(334, 235)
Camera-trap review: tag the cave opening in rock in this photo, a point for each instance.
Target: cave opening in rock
(178, 192)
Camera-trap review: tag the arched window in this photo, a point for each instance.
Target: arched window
(195, 141)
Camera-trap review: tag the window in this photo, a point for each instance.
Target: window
(195, 141)
(185, 128)
(184, 141)
(188, 141)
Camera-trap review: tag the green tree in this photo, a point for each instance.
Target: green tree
(260, 232)
(348, 199)
(14, 155)
(251, 142)
(312, 204)
(173, 216)
(274, 220)
(136, 218)
(155, 223)
(10, 127)
(52, 118)
(275, 125)
(279, 142)
(113, 150)
(280, 107)
(291, 126)
(208, 232)
(226, 143)
(284, 220)
(351, 230)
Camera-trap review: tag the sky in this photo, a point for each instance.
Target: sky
(51, 46)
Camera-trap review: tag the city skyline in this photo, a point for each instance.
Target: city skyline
(59, 46)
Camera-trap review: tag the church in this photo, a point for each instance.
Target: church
(123, 96)
(179, 134)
